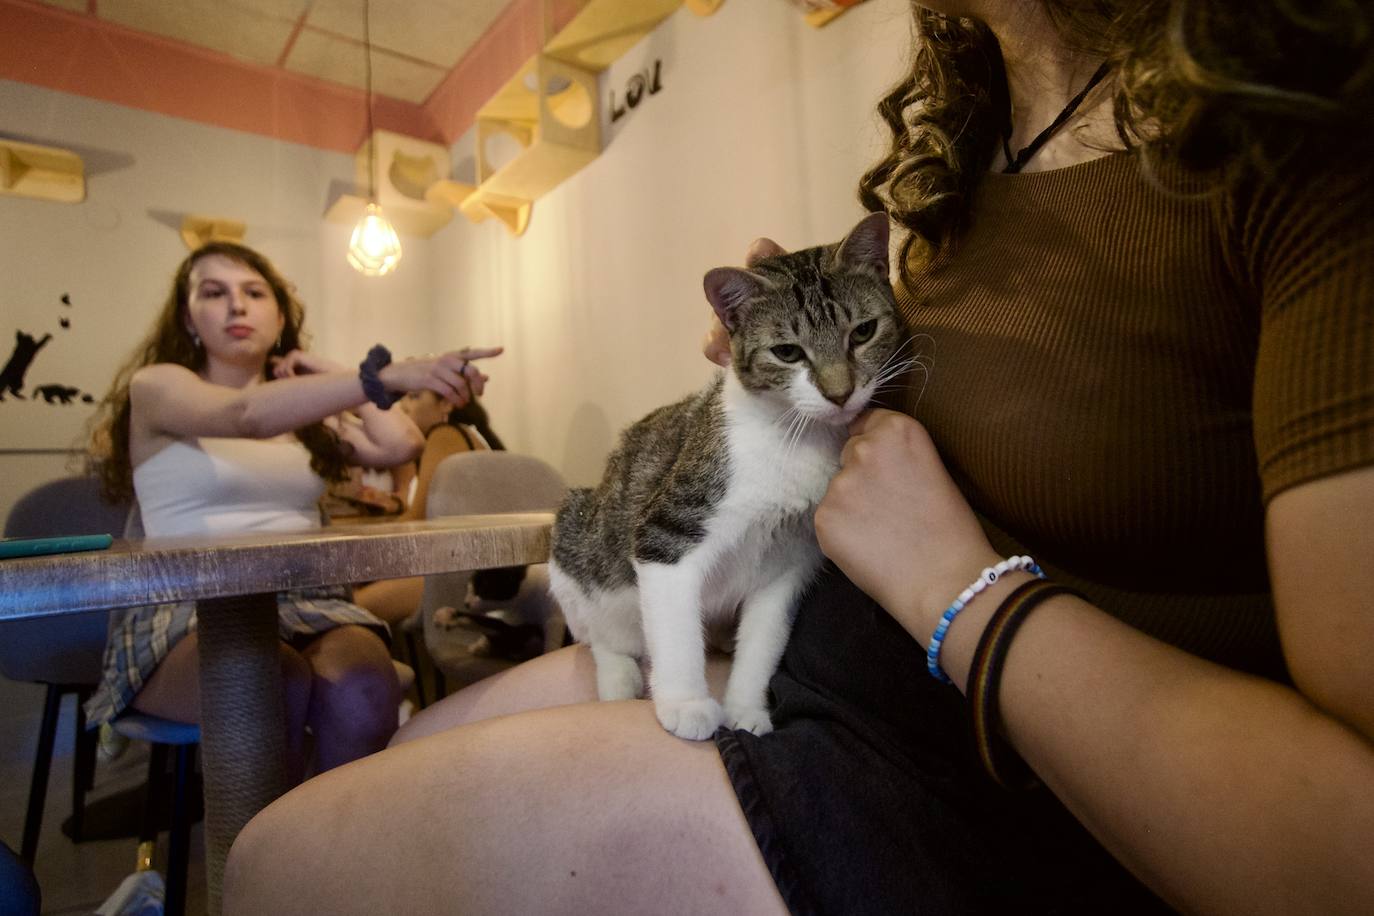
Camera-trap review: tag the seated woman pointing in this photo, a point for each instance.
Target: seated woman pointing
(191, 429)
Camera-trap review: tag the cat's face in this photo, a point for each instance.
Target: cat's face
(815, 330)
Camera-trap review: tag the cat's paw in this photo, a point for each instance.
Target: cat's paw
(619, 678)
(749, 718)
(694, 719)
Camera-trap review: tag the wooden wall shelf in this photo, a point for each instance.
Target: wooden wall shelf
(551, 109)
(42, 172)
(819, 18)
(704, 7)
(603, 30)
(196, 231)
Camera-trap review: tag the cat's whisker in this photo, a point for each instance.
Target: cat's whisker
(794, 434)
(790, 447)
(895, 370)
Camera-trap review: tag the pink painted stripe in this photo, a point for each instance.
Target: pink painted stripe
(78, 54)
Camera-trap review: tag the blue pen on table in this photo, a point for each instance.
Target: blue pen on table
(35, 547)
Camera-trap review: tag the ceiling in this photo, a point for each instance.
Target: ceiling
(415, 43)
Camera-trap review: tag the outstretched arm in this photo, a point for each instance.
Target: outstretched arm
(1223, 791)
(173, 401)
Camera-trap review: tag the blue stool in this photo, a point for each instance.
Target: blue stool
(163, 734)
(19, 894)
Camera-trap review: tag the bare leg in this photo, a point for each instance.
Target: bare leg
(173, 692)
(354, 696)
(559, 678)
(392, 600)
(591, 808)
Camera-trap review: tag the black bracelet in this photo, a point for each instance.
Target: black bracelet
(1000, 761)
(378, 358)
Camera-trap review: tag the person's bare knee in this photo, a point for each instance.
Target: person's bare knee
(559, 678)
(613, 815)
(354, 695)
(252, 869)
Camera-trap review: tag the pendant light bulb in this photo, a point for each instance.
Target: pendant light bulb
(374, 250)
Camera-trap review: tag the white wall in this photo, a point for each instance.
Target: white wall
(763, 127)
(114, 254)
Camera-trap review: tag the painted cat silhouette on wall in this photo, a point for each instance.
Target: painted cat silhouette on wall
(26, 347)
(61, 394)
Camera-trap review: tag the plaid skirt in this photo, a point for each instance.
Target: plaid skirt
(140, 638)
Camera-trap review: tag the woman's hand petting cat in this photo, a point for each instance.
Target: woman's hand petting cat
(716, 343)
(453, 375)
(897, 525)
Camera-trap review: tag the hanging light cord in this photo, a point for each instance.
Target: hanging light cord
(367, 70)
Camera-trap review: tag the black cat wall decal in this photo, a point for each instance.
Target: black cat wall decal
(26, 347)
(17, 368)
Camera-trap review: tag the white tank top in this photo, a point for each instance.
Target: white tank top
(226, 486)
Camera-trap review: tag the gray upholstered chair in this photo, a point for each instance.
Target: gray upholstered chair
(62, 653)
(482, 483)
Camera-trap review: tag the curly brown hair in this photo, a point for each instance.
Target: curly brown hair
(169, 341)
(1208, 86)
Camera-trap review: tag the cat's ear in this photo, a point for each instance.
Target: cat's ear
(728, 288)
(864, 249)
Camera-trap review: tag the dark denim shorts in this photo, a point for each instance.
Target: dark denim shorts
(867, 797)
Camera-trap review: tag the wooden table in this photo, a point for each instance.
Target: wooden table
(234, 581)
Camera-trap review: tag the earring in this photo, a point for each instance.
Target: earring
(195, 340)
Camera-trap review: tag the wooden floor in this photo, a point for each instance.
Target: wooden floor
(74, 877)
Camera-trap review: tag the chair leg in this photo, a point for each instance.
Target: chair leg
(42, 764)
(154, 791)
(440, 683)
(83, 764)
(413, 650)
(178, 860)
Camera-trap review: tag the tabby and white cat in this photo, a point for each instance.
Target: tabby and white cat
(704, 516)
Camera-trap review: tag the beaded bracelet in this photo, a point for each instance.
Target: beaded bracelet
(985, 578)
(999, 760)
(378, 358)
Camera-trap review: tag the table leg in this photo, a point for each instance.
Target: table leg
(243, 721)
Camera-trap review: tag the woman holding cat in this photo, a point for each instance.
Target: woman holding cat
(1152, 374)
(193, 432)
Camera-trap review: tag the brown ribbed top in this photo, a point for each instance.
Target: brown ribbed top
(1120, 376)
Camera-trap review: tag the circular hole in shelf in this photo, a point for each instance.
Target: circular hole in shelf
(557, 83)
(568, 101)
(500, 148)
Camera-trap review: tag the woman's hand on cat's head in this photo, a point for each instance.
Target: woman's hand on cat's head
(716, 342)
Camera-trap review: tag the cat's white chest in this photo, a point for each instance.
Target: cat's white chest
(769, 471)
(774, 467)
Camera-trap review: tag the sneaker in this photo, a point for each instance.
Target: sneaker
(111, 745)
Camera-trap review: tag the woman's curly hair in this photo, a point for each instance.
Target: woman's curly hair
(1219, 88)
(170, 342)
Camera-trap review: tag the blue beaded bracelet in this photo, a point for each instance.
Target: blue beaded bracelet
(985, 578)
(378, 358)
